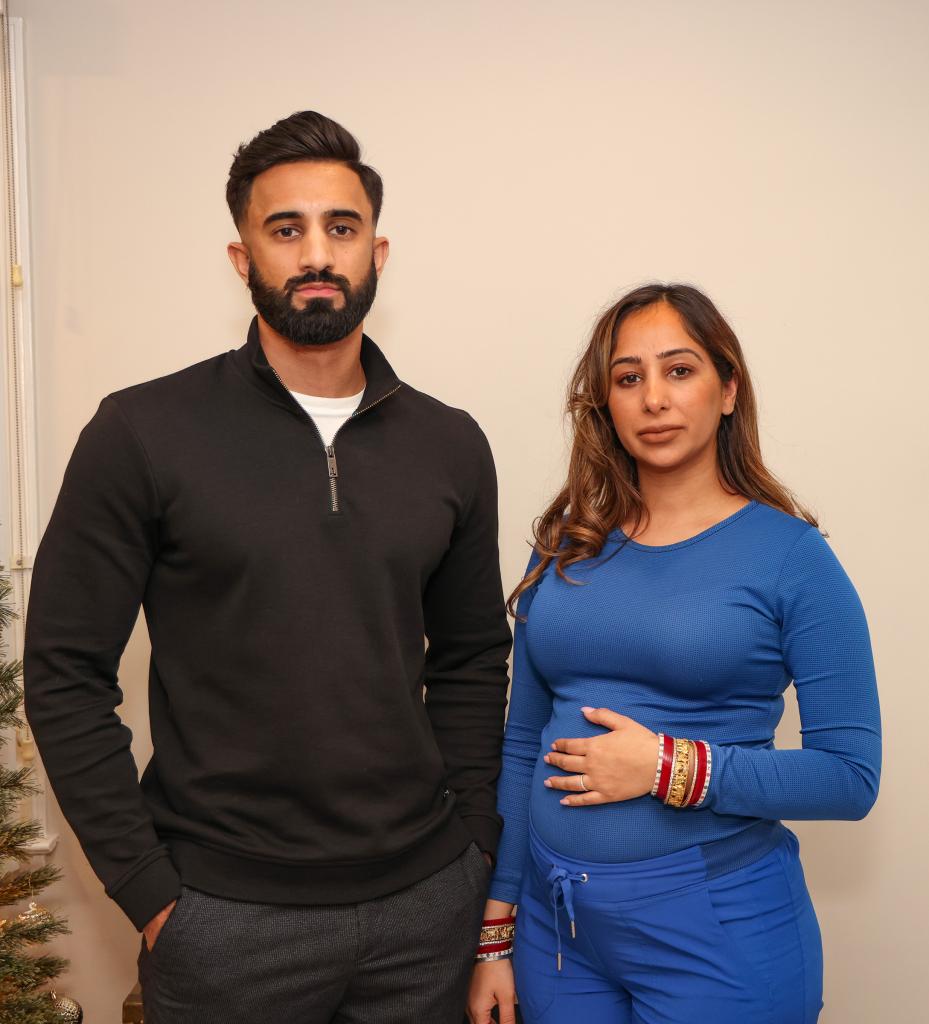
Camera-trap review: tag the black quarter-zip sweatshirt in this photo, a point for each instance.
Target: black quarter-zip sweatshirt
(300, 604)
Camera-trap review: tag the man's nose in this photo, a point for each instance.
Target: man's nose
(316, 250)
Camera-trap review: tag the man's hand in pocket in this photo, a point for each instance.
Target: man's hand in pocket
(153, 928)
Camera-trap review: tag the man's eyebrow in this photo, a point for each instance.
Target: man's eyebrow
(335, 214)
(282, 215)
(346, 214)
(637, 360)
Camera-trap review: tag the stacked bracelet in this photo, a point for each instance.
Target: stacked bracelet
(682, 774)
(496, 941)
(665, 765)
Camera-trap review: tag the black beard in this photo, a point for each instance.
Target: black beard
(318, 323)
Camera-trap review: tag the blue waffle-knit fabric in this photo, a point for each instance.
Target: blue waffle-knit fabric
(697, 639)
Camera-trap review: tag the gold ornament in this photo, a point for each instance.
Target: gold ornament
(35, 915)
(68, 1009)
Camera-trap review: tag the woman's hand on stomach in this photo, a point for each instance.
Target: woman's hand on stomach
(616, 765)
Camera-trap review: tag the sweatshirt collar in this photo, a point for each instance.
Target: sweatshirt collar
(380, 379)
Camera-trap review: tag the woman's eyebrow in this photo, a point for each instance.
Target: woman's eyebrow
(679, 352)
(637, 360)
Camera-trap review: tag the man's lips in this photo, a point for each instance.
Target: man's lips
(318, 291)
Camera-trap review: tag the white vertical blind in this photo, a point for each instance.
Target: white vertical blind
(19, 494)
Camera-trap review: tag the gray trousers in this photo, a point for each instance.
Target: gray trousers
(400, 959)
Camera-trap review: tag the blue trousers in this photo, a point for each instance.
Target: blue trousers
(659, 942)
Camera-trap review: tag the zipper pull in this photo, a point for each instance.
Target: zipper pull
(330, 459)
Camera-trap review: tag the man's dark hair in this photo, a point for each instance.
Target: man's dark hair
(305, 135)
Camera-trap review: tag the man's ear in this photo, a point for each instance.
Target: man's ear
(381, 252)
(238, 255)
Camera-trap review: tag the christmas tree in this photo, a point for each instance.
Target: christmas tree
(23, 973)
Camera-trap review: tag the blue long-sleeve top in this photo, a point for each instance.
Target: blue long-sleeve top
(697, 639)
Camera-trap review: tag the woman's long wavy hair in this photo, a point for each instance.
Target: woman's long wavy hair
(601, 492)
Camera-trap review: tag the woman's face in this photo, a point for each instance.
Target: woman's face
(666, 398)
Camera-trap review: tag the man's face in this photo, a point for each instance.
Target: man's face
(308, 251)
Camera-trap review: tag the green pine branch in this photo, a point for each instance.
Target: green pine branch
(22, 973)
(28, 973)
(15, 785)
(18, 780)
(16, 842)
(36, 1008)
(9, 676)
(9, 714)
(7, 614)
(11, 694)
(15, 839)
(25, 886)
(15, 932)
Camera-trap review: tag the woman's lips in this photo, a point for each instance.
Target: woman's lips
(656, 434)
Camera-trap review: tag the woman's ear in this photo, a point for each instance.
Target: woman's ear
(730, 390)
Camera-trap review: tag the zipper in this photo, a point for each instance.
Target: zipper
(333, 478)
(332, 467)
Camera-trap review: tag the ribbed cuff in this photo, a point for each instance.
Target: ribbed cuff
(486, 832)
(149, 890)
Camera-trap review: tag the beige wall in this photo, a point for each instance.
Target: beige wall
(539, 158)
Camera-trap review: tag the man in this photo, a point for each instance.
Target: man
(310, 839)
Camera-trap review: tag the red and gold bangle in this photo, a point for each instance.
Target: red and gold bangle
(496, 941)
(675, 784)
(680, 773)
(665, 767)
(702, 774)
(498, 929)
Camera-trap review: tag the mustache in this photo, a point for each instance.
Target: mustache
(318, 277)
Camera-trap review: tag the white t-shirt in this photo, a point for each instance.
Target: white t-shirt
(329, 413)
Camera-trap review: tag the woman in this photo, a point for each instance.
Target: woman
(674, 591)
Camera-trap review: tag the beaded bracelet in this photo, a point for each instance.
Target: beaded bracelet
(500, 954)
